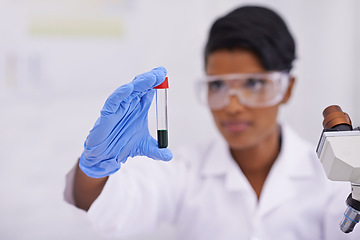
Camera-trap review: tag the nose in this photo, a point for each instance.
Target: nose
(234, 106)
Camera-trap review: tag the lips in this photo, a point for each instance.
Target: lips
(235, 126)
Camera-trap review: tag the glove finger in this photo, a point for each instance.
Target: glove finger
(110, 115)
(141, 83)
(146, 81)
(111, 126)
(114, 101)
(160, 73)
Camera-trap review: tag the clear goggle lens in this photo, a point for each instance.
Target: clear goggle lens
(252, 90)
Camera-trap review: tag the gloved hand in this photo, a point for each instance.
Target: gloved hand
(122, 131)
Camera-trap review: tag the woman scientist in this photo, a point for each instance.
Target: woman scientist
(260, 181)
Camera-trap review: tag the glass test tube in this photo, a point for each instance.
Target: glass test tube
(161, 113)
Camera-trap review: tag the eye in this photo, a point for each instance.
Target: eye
(216, 85)
(255, 84)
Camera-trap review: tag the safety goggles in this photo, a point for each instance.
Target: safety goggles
(254, 90)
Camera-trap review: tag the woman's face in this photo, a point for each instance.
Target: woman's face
(242, 127)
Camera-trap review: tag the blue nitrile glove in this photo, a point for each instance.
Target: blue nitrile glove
(122, 131)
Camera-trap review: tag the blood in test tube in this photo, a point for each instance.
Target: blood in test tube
(161, 113)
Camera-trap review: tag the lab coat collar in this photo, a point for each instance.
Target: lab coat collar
(294, 157)
(220, 163)
(293, 163)
(218, 159)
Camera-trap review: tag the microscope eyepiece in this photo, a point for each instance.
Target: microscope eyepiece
(336, 119)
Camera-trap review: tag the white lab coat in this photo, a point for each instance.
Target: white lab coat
(203, 192)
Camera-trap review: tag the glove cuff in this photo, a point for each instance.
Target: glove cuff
(98, 170)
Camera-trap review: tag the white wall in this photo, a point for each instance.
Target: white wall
(52, 88)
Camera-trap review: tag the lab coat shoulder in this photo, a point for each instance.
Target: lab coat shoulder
(299, 158)
(142, 194)
(199, 155)
(146, 192)
(307, 176)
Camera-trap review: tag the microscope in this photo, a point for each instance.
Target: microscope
(338, 151)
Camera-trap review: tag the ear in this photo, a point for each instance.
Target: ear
(289, 90)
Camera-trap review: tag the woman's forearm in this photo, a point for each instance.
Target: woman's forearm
(87, 189)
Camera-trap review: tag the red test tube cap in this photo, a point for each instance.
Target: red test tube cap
(163, 85)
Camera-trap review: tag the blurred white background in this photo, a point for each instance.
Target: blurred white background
(60, 59)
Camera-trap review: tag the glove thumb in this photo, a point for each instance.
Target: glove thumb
(157, 153)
